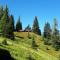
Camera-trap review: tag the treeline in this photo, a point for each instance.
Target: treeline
(52, 35)
(7, 24)
(7, 28)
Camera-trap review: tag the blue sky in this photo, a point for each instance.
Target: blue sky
(45, 10)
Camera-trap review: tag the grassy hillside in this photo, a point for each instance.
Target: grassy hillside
(21, 48)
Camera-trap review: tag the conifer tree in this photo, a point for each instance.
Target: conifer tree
(28, 28)
(55, 35)
(35, 27)
(47, 33)
(1, 14)
(11, 27)
(5, 21)
(55, 27)
(18, 25)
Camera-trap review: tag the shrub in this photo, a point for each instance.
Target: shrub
(30, 57)
(34, 44)
(47, 48)
(4, 42)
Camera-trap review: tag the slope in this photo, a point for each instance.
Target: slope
(20, 48)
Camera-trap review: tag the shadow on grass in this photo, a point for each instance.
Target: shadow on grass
(20, 37)
(5, 55)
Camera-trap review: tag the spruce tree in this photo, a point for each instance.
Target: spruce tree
(47, 31)
(1, 14)
(28, 28)
(5, 21)
(11, 27)
(55, 35)
(47, 34)
(18, 25)
(55, 27)
(35, 27)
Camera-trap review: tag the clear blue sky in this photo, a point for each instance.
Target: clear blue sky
(45, 10)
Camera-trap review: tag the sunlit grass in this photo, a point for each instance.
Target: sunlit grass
(21, 48)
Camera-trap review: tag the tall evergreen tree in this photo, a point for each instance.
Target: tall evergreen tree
(47, 30)
(55, 27)
(11, 27)
(18, 25)
(55, 35)
(35, 27)
(1, 14)
(47, 33)
(5, 21)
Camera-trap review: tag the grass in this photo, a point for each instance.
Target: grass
(21, 47)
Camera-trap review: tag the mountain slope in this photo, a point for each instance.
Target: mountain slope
(20, 48)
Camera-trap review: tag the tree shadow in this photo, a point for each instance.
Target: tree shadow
(5, 55)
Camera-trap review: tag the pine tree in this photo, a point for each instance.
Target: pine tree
(35, 27)
(1, 14)
(55, 27)
(11, 27)
(18, 25)
(55, 36)
(28, 28)
(5, 21)
(47, 31)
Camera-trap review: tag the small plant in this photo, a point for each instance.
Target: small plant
(47, 48)
(30, 57)
(4, 42)
(59, 57)
(29, 35)
(34, 44)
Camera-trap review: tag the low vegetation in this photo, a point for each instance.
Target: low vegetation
(21, 49)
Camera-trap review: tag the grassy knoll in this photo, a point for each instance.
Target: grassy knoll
(21, 48)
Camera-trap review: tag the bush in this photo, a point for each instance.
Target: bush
(47, 48)
(56, 45)
(59, 57)
(29, 35)
(47, 41)
(34, 44)
(30, 57)
(4, 42)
